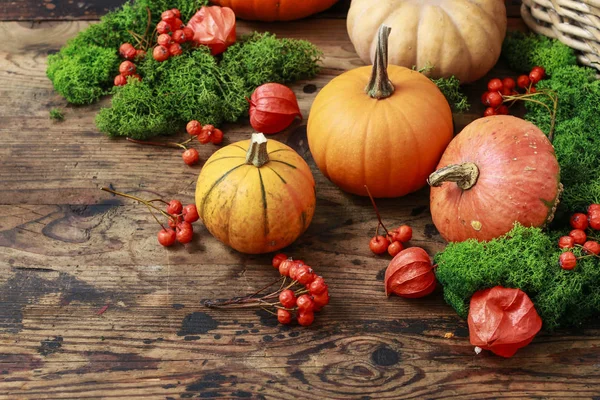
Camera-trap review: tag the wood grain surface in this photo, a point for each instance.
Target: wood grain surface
(91, 307)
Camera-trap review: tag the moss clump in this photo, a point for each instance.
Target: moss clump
(84, 69)
(139, 112)
(190, 86)
(82, 73)
(114, 28)
(524, 51)
(56, 114)
(262, 58)
(525, 258)
(450, 87)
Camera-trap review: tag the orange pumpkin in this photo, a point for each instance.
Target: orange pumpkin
(256, 196)
(275, 10)
(385, 127)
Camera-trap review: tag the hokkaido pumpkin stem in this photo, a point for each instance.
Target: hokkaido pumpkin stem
(257, 152)
(465, 175)
(380, 86)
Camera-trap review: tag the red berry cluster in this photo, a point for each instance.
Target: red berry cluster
(578, 237)
(310, 292)
(180, 218)
(180, 224)
(128, 68)
(205, 134)
(172, 33)
(393, 242)
(501, 91)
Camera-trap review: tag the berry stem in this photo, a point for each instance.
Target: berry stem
(154, 216)
(160, 144)
(146, 38)
(267, 286)
(269, 311)
(140, 40)
(147, 203)
(587, 255)
(376, 211)
(160, 200)
(529, 97)
(248, 299)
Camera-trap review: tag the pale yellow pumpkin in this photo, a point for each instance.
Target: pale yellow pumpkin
(456, 37)
(256, 196)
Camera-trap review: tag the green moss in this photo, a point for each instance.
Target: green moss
(85, 68)
(450, 87)
(524, 51)
(525, 258)
(191, 86)
(82, 73)
(197, 87)
(138, 111)
(56, 114)
(262, 58)
(113, 28)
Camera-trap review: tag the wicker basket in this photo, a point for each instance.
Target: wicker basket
(575, 23)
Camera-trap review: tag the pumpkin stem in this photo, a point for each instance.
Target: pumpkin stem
(465, 175)
(380, 86)
(257, 152)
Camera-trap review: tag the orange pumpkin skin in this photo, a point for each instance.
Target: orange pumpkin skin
(256, 209)
(275, 10)
(519, 180)
(391, 145)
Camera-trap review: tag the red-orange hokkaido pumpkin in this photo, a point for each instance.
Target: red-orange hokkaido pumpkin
(499, 170)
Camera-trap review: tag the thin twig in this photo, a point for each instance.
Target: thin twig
(529, 97)
(160, 144)
(269, 311)
(160, 200)
(376, 211)
(136, 199)
(147, 40)
(154, 216)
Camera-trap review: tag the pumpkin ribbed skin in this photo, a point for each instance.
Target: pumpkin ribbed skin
(519, 180)
(275, 10)
(391, 144)
(256, 209)
(457, 37)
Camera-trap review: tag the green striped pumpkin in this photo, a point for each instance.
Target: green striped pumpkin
(256, 196)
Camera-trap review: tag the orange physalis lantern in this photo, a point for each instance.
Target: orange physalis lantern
(502, 320)
(410, 274)
(213, 27)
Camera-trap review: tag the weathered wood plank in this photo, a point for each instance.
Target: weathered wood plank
(48, 10)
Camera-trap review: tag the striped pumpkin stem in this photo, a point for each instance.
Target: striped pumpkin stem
(257, 152)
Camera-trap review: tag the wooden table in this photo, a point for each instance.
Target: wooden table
(68, 250)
